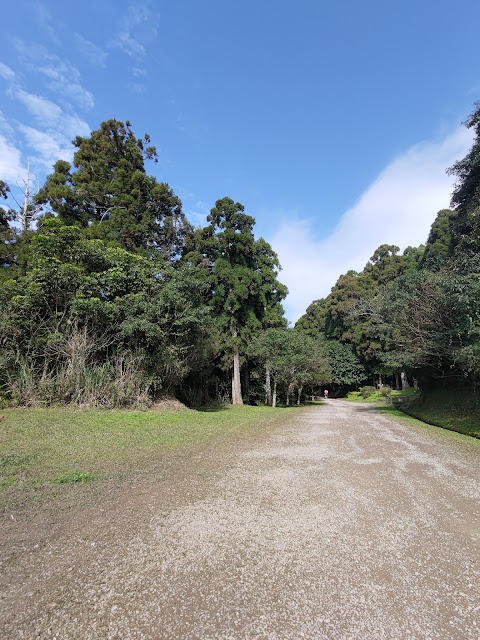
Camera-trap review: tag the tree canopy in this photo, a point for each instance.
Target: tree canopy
(114, 298)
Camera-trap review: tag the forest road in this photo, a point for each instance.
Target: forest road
(342, 523)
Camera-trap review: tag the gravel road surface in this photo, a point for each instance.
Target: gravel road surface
(340, 524)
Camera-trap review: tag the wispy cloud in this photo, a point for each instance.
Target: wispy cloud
(46, 21)
(137, 87)
(43, 110)
(49, 145)
(49, 115)
(398, 208)
(11, 168)
(46, 128)
(6, 73)
(137, 72)
(43, 122)
(138, 27)
(5, 127)
(197, 213)
(125, 41)
(90, 51)
(63, 80)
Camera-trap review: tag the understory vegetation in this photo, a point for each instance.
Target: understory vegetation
(110, 298)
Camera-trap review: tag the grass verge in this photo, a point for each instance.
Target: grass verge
(44, 451)
(378, 396)
(457, 410)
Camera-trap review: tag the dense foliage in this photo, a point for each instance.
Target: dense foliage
(415, 317)
(115, 299)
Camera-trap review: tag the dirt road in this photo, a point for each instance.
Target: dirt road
(340, 524)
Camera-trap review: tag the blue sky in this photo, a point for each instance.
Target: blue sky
(331, 122)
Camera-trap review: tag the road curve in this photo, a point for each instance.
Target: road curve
(342, 524)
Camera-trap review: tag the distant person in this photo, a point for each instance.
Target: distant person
(325, 393)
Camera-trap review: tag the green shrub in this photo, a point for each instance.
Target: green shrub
(353, 395)
(365, 392)
(386, 391)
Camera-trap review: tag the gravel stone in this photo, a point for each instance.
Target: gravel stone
(340, 524)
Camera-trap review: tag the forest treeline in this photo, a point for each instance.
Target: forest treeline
(415, 318)
(110, 297)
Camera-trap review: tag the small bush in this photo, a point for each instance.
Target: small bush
(365, 392)
(353, 395)
(386, 391)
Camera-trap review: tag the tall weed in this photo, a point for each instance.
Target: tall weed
(119, 382)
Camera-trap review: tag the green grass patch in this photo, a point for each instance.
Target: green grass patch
(13, 460)
(409, 393)
(356, 396)
(41, 449)
(454, 409)
(377, 396)
(74, 478)
(442, 417)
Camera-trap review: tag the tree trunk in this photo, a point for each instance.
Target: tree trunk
(236, 383)
(299, 395)
(25, 219)
(246, 383)
(404, 378)
(287, 403)
(397, 381)
(268, 386)
(274, 399)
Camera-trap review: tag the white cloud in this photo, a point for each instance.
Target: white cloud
(48, 25)
(138, 27)
(125, 41)
(73, 126)
(90, 51)
(76, 92)
(50, 117)
(398, 208)
(11, 169)
(48, 129)
(43, 110)
(49, 145)
(64, 80)
(197, 214)
(44, 129)
(5, 127)
(137, 87)
(138, 73)
(5, 72)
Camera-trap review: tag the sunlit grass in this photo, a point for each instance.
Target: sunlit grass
(456, 410)
(41, 449)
